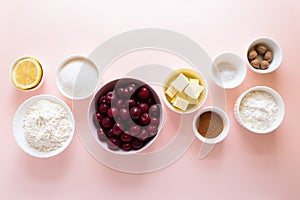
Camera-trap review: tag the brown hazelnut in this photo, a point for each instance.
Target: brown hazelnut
(252, 54)
(268, 56)
(255, 63)
(264, 64)
(261, 49)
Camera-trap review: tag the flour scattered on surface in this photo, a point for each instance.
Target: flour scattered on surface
(259, 110)
(46, 125)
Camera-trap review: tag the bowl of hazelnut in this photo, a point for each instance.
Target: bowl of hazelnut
(125, 116)
(264, 55)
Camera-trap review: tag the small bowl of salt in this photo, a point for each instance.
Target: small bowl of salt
(228, 70)
(77, 77)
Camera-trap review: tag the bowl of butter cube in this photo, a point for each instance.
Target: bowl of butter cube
(185, 90)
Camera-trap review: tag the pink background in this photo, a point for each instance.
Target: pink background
(244, 166)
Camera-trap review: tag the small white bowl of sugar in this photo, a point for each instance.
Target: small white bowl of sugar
(259, 109)
(77, 77)
(228, 70)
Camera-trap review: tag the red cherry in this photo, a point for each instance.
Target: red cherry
(117, 129)
(113, 144)
(155, 121)
(101, 134)
(131, 103)
(109, 133)
(143, 135)
(120, 92)
(150, 101)
(119, 103)
(110, 97)
(137, 144)
(131, 90)
(97, 117)
(112, 112)
(154, 110)
(123, 113)
(143, 107)
(134, 130)
(152, 130)
(126, 146)
(103, 108)
(106, 122)
(102, 100)
(144, 93)
(127, 93)
(125, 137)
(145, 119)
(135, 113)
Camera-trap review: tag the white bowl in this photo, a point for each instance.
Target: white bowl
(226, 123)
(80, 84)
(232, 66)
(279, 101)
(108, 87)
(190, 73)
(43, 73)
(19, 132)
(274, 47)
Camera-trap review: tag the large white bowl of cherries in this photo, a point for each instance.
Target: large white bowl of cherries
(125, 116)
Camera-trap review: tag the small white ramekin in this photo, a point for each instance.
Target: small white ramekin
(76, 94)
(235, 61)
(226, 124)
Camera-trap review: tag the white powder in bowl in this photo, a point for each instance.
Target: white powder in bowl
(47, 125)
(259, 110)
(226, 71)
(78, 78)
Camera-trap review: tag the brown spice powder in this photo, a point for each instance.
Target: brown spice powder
(210, 124)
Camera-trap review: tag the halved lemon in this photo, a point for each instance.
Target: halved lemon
(26, 73)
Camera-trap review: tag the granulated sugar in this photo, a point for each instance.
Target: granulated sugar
(78, 78)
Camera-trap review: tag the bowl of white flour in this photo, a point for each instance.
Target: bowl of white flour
(43, 126)
(260, 109)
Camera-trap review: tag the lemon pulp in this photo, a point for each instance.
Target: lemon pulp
(26, 73)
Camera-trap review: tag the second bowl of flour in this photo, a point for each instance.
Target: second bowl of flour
(260, 109)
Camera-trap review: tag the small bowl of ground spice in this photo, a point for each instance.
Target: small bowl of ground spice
(211, 125)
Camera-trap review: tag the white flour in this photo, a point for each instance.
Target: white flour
(259, 110)
(46, 125)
